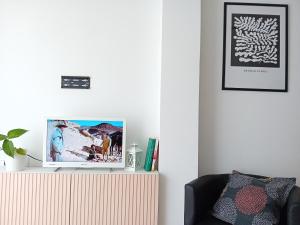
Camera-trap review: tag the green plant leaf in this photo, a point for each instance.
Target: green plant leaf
(2, 137)
(21, 151)
(8, 148)
(15, 133)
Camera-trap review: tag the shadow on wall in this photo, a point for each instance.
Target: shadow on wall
(162, 195)
(210, 85)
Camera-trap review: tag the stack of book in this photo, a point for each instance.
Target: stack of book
(151, 160)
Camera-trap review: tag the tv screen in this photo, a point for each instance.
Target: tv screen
(84, 143)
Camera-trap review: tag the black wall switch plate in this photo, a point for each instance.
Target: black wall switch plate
(75, 82)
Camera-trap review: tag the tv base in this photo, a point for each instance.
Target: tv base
(62, 169)
(86, 169)
(83, 169)
(57, 169)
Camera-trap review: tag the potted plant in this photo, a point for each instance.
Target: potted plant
(14, 157)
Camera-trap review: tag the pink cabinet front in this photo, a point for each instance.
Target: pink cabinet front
(34, 199)
(114, 199)
(78, 198)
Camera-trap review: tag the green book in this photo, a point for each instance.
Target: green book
(149, 154)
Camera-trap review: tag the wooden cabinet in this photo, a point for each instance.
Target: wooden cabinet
(78, 198)
(34, 199)
(114, 199)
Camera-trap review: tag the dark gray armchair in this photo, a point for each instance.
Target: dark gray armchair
(202, 193)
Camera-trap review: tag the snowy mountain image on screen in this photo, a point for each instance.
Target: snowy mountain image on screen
(255, 40)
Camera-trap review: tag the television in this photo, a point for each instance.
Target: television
(84, 143)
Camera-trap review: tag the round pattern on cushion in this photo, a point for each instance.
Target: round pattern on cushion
(264, 219)
(278, 189)
(225, 208)
(272, 190)
(251, 200)
(240, 182)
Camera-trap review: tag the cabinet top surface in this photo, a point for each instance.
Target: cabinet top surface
(78, 171)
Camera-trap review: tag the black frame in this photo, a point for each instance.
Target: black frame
(224, 48)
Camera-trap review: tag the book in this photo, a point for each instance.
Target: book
(149, 154)
(155, 156)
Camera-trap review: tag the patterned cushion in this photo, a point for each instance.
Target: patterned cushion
(250, 201)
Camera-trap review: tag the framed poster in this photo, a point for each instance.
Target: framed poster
(255, 48)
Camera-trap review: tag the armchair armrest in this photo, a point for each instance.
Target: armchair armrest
(200, 196)
(293, 207)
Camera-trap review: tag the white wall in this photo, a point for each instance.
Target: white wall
(254, 132)
(118, 44)
(115, 42)
(179, 105)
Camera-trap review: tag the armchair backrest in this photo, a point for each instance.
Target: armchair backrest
(202, 193)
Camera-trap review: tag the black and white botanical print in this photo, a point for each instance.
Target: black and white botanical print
(255, 40)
